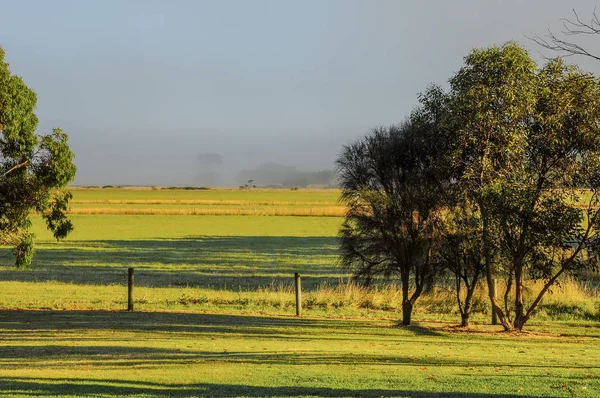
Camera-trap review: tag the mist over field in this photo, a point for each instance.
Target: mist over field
(146, 88)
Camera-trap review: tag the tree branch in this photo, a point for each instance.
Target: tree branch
(571, 28)
(14, 168)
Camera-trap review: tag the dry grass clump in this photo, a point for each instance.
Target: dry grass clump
(570, 301)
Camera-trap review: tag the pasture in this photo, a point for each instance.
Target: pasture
(214, 312)
(323, 203)
(105, 354)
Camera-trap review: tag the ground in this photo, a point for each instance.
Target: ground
(214, 316)
(100, 353)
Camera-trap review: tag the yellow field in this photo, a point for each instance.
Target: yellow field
(303, 203)
(331, 211)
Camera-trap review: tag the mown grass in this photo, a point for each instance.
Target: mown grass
(155, 227)
(152, 354)
(195, 202)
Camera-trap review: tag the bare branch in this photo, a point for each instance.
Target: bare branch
(14, 168)
(571, 28)
(581, 27)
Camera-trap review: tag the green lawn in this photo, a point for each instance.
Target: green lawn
(204, 261)
(198, 251)
(136, 227)
(103, 354)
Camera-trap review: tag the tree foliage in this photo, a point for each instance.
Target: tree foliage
(33, 169)
(527, 143)
(499, 176)
(390, 184)
(461, 253)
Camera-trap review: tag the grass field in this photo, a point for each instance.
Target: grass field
(215, 301)
(327, 196)
(306, 203)
(97, 353)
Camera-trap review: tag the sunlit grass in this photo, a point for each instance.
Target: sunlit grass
(214, 302)
(202, 202)
(165, 354)
(304, 203)
(329, 211)
(311, 196)
(572, 303)
(140, 227)
(235, 270)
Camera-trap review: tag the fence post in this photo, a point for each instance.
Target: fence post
(130, 290)
(298, 285)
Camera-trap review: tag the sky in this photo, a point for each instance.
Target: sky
(150, 91)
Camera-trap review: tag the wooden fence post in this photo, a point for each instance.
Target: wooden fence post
(298, 284)
(130, 290)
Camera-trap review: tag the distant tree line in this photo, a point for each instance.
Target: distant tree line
(276, 175)
(497, 177)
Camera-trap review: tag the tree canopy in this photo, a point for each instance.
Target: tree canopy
(33, 169)
(500, 175)
(394, 189)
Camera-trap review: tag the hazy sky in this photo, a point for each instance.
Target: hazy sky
(144, 87)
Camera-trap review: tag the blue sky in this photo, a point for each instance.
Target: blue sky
(143, 88)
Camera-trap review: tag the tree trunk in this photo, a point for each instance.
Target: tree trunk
(495, 308)
(488, 264)
(519, 305)
(466, 312)
(407, 308)
(406, 303)
(490, 279)
(492, 288)
(464, 319)
(520, 322)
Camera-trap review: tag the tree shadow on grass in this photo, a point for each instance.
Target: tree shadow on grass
(93, 387)
(216, 262)
(60, 339)
(153, 358)
(201, 325)
(59, 330)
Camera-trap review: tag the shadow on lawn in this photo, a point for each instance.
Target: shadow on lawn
(92, 387)
(53, 340)
(18, 324)
(65, 335)
(216, 262)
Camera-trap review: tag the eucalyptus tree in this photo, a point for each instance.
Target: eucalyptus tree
(547, 210)
(33, 169)
(394, 190)
(493, 97)
(527, 152)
